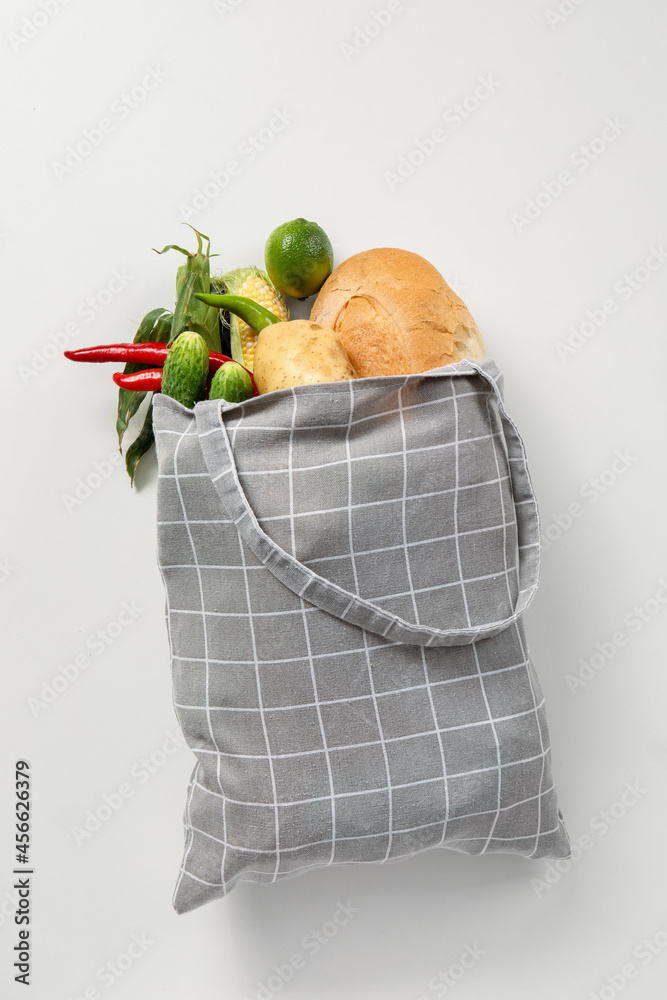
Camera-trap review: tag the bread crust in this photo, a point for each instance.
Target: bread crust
(396, 314)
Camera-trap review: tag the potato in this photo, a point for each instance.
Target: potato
(299, 352)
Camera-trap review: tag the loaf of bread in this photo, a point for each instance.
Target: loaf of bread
(396, 314)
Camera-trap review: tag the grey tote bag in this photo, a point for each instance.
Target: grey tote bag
(346, 568)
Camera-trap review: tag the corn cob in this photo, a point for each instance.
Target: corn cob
(256, 285)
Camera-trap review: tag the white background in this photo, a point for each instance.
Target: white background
(361, 99)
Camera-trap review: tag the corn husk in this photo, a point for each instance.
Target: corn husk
(254, 284)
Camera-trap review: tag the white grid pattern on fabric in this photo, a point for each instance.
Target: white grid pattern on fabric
(382, 741)
(344, 607)
(208, 715)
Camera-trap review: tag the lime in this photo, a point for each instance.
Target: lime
(298, 257)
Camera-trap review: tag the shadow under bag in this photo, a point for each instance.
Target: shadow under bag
(346, 568)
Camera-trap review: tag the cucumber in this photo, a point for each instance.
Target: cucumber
(232, 383)
(186, 369)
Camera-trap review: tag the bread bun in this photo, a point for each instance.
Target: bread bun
(396, 314)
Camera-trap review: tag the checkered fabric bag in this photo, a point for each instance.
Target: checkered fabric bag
(346, 567)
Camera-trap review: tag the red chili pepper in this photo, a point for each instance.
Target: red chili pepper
(148, 380)
(150, 352)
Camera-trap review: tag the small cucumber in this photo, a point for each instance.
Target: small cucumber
(232, 383)
(186, 369)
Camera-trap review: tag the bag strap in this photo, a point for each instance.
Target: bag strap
(335, 600)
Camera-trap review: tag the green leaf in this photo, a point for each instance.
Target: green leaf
(199, 251)
(172, 246)
(147, 325)
(191, 314)
(195, 264)
(129, 402)
(198, 328)
(157, 321)
(188, 310)
(190, 285)
(200, 237)
(141, 444)
(162, 329)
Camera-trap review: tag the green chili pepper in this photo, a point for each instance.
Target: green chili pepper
(250, 312)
